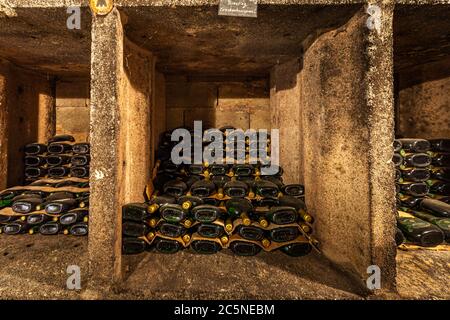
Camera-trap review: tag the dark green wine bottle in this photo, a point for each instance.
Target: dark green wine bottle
(439, 187)
(415, 145)
(420, 232)
(397, 145)
(415, 174)
(399, 237)
(440, 159)
(436, 207)
(415, 189)
(441, 223)
(442, 145)
(440, 174)
(397, 159)
(419, 160)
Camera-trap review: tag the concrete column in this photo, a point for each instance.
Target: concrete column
(348, 119)
(120, 136)
(286, 116)
(106, 150)
(4, 128)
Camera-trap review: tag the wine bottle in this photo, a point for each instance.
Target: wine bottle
(397, 159)
(419, 231)
(440, 174)
(415, 145)
(55, 160)
(205, 247)
(441, 223)
(397, 145)
(436, 207)
(35, 149)
(415, 174)
(399, 237)
(419, 160)
(442, 145)
(81, 148)
(415, 189)
(439, 187)
(80, 160)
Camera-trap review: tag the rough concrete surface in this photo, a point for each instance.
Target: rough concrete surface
(227, 45)
(285, 111)
(424, 110)
(35, 267)
(39, 39)
(346, 99)
(335, 145)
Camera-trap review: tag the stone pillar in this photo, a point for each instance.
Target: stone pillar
(348, 126)
(4, 125)
(106, 150)
(120, 136)
(286, 116)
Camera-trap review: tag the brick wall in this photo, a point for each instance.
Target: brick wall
(243, 103)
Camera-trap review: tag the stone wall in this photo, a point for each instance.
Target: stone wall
(243, 103)
(424, 110)
(72, 108)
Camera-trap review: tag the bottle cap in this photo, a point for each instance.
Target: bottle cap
(224, 240)
(186, 238)
(265, 243)
(229, 227)
(263, 222)
(187, 223)
(186, 205)
(152, 208)
(152, 223)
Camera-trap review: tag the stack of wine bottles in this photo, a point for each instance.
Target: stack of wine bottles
(211, 206)
(423, 191)
(47, 206)
(60, 157)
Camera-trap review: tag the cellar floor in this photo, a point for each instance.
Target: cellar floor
(34, 267)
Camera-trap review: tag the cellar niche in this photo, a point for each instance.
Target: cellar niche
(309, 79)
(44, 91)
(422, 110)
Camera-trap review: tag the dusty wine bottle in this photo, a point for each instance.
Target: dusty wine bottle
(415, 189)
(399, 237)
(415, 145)
(440, 174)
(419, 160)
(441, 223)
(397, 145)
(440, 159)
(436, 207)
(397, 159)
(420, 231)
(442, 145)
(415, 174)
(439, 187)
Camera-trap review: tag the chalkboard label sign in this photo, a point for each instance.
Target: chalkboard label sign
(238, 8)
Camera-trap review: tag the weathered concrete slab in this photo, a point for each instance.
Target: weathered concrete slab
(286, 116)
(348, 132)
